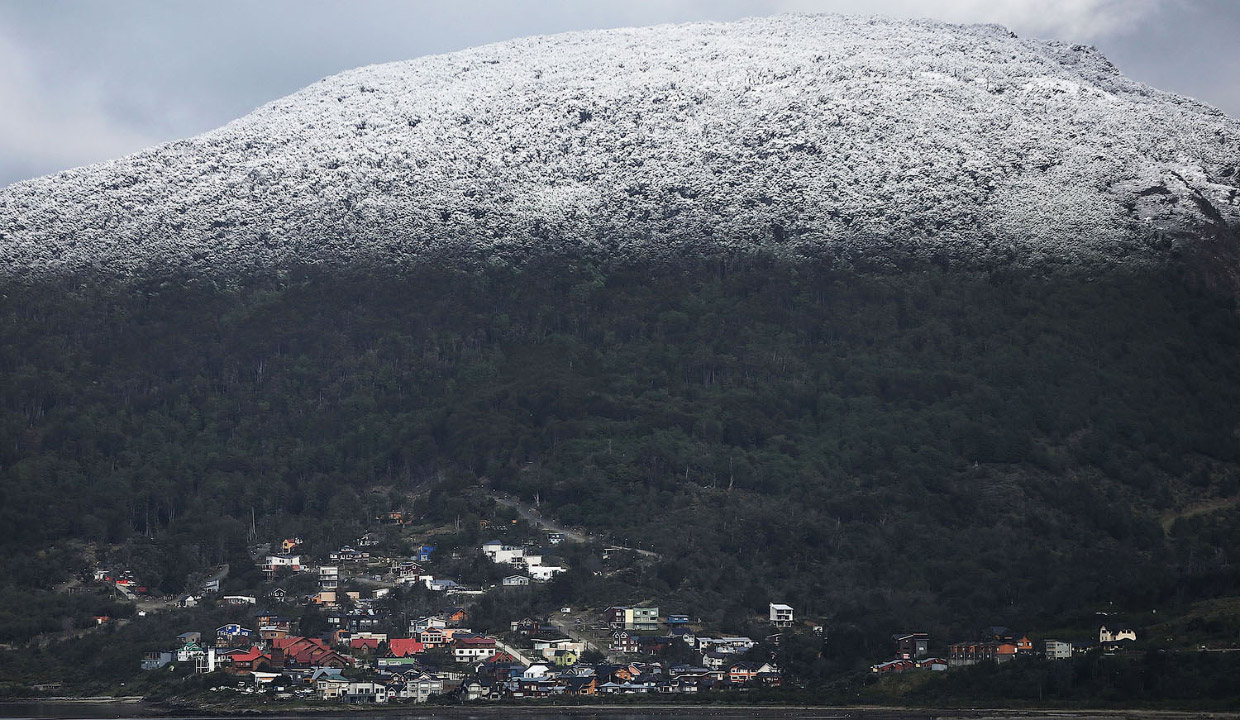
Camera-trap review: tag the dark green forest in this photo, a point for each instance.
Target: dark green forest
(932, 448)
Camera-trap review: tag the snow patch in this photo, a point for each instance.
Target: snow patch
(801, 135)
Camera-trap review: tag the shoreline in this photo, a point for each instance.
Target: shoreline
(138, 707)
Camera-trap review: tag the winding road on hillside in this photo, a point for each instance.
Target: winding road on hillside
(534, 516)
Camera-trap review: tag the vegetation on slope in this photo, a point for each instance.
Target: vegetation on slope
(927, 448)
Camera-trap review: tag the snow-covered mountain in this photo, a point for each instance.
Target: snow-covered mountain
(801, 134)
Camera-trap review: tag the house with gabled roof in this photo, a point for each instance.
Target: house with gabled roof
(404, 647)
(578, 685)
(244, 662)
(465, 649)
(233, 635)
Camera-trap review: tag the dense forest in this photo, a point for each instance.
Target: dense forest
(883, 449)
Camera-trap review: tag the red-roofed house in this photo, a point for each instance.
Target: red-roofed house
(248, 661)
(404, 647)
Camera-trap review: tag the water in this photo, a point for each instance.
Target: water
(87, 710)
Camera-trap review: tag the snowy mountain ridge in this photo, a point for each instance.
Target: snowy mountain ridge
(803, 135)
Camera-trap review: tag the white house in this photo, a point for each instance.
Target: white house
(781, 615)
(366, 692)
(1058, 650)
(474, 648)
(548, 648)
(501, 553)
(536, 671)
(1126, 633)
(516, 581)
(276, 562)
(545, 572)
(418, 689)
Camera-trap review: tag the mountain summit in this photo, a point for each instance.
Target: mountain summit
(804, 135)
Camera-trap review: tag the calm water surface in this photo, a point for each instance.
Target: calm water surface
(138, 711)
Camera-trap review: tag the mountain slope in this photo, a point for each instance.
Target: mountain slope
(805, 135)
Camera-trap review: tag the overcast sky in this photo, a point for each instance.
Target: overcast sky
(83, 81)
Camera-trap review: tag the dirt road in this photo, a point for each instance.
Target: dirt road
(534, 516)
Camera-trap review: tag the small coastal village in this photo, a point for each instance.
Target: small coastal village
(323, 629)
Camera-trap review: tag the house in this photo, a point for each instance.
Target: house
(331, 688)
(250, 661)
(677, 620)
(894, 666)
(525, 626)
(406, 571)
(632, 618)
(364, 645)
(769, 675)
(780, 615)
(454, 616)
(276, 563)
(349, 554)
(419, 688)
(516, 581)
(465, 649)
(289, 545)
(233, 635)
(275, 628)
(156, 659)
(622, 641)
(480, 690)
(716, 660)
(395, 517)
(365, 693)
(542, 573)
(547, 648)
(319, 658)
(309, 652)
(500, 553)
(189, 652)
(186, 638)
(188, 601)
(1057, 650)
(500, 658)
(678, 685)
(972, 653)
(725, 645)
(536, 671)
(432, 637)
(423, 553)
(587, 685)
(911, 645)
(425, 623)
(404, 647)
(1109, 636)
(555, 538)
(238, 600)
(652, 644)
(741, 673)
